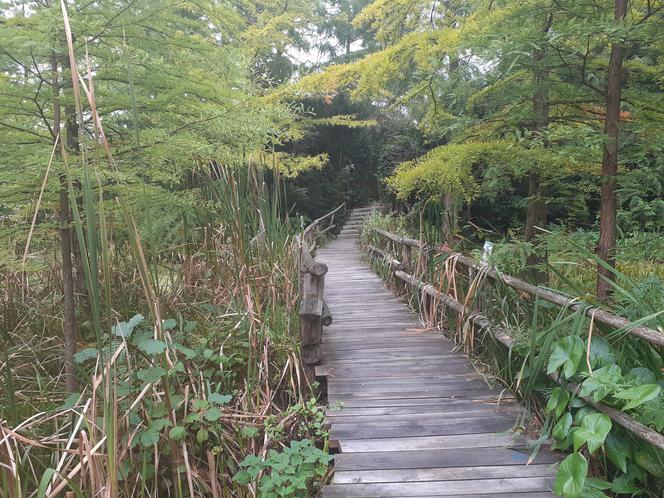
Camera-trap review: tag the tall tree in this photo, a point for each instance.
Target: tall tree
(606, 248)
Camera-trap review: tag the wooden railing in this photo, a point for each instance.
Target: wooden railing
(313, 311)
(444, 300)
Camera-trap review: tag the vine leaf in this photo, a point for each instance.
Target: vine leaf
(571, 476)
(638, 395)
(593, 431)
(567, 353)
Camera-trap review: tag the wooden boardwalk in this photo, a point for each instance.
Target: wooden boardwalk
(410, 415)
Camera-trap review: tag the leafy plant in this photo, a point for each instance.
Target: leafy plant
(289, 472)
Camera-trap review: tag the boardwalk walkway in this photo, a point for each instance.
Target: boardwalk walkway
(410, 414)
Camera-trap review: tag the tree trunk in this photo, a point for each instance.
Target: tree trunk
(606, 247)
(449, 219)
(536, 214)
(68, 299)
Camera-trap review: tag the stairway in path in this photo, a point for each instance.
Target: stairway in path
(409, 413)
(351, 229)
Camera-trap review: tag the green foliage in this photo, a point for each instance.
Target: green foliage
(571, 476)
(289, 472)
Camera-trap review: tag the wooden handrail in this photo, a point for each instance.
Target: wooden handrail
(317, 221)
(313, 311)
(601, 315)
(405, 241)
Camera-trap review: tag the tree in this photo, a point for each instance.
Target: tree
(609, 199)
(173, 93)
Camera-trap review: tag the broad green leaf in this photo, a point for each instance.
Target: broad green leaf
(176, 433)
(557, 401)
(571, 476)
(641, 375)
(600, 352)
(202, 435)
(148, 437)
(561, 429)
(649, 461)
(601, 382)
(638, 395)
(135, 320)
(159, 423)
(593, 431)
(213, 414)
(623, 485)
(152, 374)
(151, 346)
(85, 355)
(617, 450)
(248, 432)
(219, 399)
(200, 404)
(187, 352)
(567, 353)
(122, 329)
(169, 324)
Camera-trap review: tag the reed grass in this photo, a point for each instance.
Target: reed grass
(188, 359)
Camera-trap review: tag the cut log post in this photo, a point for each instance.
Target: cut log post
(406, 256)
(311, 317)
(326, 319)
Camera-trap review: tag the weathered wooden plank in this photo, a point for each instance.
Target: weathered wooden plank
(425, 459)
(442, 488)
(423, 380)
(432, 400)
(436, 360)
(415, 443)
(450, 407)
(421, 427)
(338, 372)
(355, 372)
(440, 474)
(430, 414)
(373, 390)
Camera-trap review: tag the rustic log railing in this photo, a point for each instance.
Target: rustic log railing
(313, 311)
(445, 300)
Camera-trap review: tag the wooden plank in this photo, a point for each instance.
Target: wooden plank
(425, 459)
(450, 407)
(434, 400)
(440, 474)
(421, 427)
(421, 381)
(442, 488)
(415, 443)
(426, 414)
(422, 389)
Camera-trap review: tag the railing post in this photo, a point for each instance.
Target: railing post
(311, 320)
(313, 311)
(406, 256)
